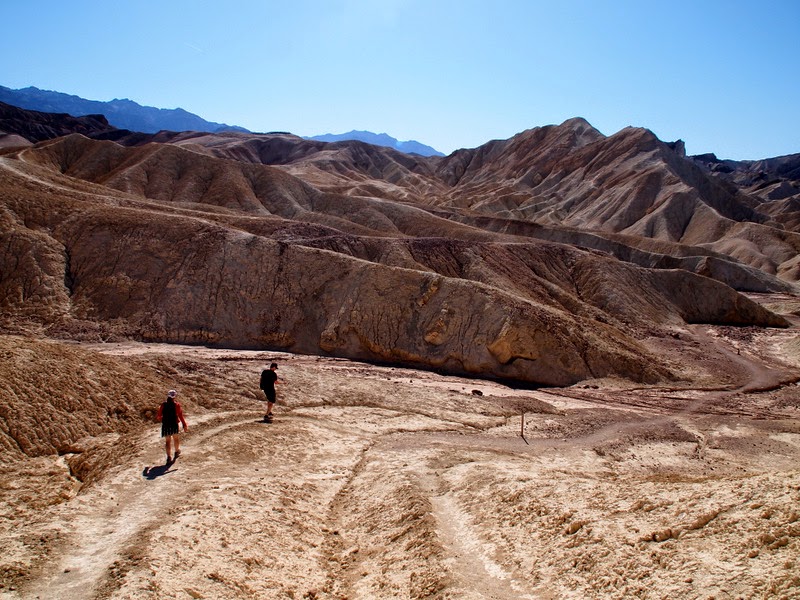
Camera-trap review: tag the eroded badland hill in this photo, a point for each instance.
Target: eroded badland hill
(563, 365)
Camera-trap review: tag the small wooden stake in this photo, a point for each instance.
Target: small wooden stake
(522, 427)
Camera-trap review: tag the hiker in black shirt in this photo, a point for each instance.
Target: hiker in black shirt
(268, 380)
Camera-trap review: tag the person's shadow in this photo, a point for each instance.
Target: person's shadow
(157, 471)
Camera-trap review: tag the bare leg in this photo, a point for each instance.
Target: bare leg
(177, 445)
(168, 443)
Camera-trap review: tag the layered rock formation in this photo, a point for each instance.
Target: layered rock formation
(542, 259)
(634, 195)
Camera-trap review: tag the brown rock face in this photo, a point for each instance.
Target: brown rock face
(191, 239)
(184, 281)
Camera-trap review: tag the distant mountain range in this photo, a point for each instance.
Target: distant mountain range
(127, 114)
(379, 139)
(121, 113)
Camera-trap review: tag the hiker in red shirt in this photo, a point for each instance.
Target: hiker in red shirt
(169, 413)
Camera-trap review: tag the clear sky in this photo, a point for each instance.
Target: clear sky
(724, 76)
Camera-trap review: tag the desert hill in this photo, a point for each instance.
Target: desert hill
(562, 365)
(770, 178)
(568, 178)
(182, 246)
(549, 258)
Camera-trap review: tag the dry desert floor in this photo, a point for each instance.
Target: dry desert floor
(379, 482)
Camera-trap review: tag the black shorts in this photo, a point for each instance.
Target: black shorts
(270, 396)
(168, 429)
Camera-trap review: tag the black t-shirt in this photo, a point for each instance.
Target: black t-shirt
(268, 379)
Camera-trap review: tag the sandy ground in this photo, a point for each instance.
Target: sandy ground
(379, 482)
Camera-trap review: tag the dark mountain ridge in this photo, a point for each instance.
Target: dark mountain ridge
(33, 126)
(121, 113)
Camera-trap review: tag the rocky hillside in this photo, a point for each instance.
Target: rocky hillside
(546, 259)
(775, 181)
(629, 194)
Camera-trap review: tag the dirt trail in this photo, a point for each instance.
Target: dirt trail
(126, 507)
(754, 374)
(475, 573)
(127, 512)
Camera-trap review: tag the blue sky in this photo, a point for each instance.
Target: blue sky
(721, 75)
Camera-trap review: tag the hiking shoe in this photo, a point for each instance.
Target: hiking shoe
(177, 454)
